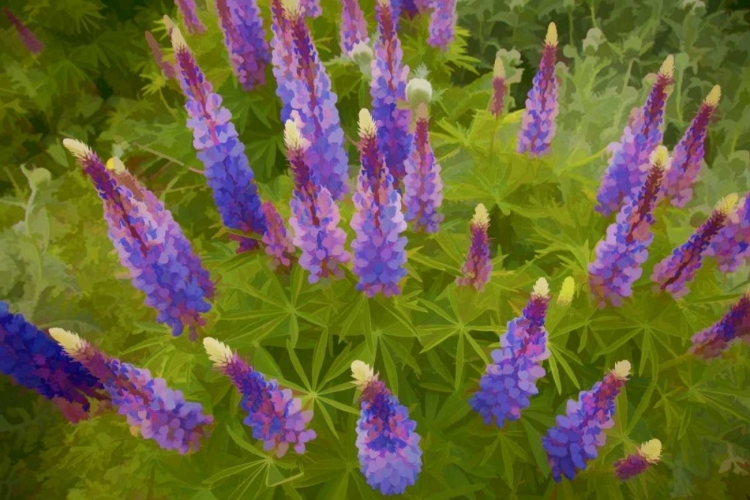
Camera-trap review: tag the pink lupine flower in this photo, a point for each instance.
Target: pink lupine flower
(166, 67)
(27, 37)
(442, 24)
(732, 245)
(189, 13)
(245, 40)
(478, 266)
(499, 88)
(353, 26)
(648, 454)
(277, 243)
(735, 324)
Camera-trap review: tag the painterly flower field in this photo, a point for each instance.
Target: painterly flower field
(363, 248)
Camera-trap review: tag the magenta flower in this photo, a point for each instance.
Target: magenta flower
(245, 40)
(166, 67)
(710, 342)
(27, 37)
(499, 88)
(353, 26)
(277, 244)
(478, 266)
(442, 24)
(648, 454)
(732, 244)
(189, 13)
(628, 165)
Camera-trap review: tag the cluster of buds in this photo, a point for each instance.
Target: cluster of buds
(735, 324)
(478, 266)
(647, 455)
(27, 37)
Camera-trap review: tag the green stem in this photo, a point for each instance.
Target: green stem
(627, 75)
(39, 285)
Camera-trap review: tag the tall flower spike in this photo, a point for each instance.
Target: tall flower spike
(277, 244)
(732, 245)
(499, 88)
(689, 152)
(227, 168)
(674, 272)
(628, 164)
(35, 361)
(189, 13)
(158, 412)
(578, 434)
(275, 417)
(150, 244)
(389, 454)
(165, 66)
(379, 250)
(442, 24)
(648, 454)
(245, 40)
(709, 343)
(538, 122)
(353, 27)
(27, 37)
(620, 255)
(509, 381)
(478, 266)
(388, 91)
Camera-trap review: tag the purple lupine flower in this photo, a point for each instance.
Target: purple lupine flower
(311, 8)
(283, 59)
(35, 361)
(275, 417)
(227, 168)
(648, 454)
(578, 434)
(165, 66)
(27, 37)
(620, 255)
(150, 244)
(689, 152)
(510, 380)
(388, 91)
(499, 88)
(423, 187)
(629, 162)
(732, 245)
(408, 7)
(443, 24)
(389, 454)
(245, 40)
(538, 122)
(158, 412)
(735, 324)
(674, 272)
(353, 26)
(379, 251)
(189, 13)
(422, 6)
(276, 241)
(478, 266)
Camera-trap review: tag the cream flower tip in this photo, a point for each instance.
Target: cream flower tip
(178, 41)
(481, 216)
(218, 352)
(499, 70)
(69, 341)
(116, 165)
(541, 288)
(292, 7)
(660, 158)
(551, 38)
(292, 135)
(728, 203)
(168, 23)
(567, 291)
(667, 67)
(385, 3)
(362, 373)
(713, 97)
(77, 148)
(622, 369)
(367, 126)
(651, 450)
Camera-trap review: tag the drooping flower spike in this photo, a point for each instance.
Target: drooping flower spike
(620, 255)
(677, 270)
(35, 361)
(245, 40)
(165, 66)
(732, 245)
(389, 454)
(509, 381)
(538, 122)
(689, 152)
(150, 244)
(628, 165)
(499, 88)
(579, 433)
(27, 37)
(275, 417)
(478, 266)
(735, 324)
(189, 13)
(442, 24)
(158, 412)
(226, 166)
(353, 27)
(648, 454)
(277, 243)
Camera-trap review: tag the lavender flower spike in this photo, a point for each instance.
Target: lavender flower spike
(578, 434)
(227, 168)
(278, 245)
(478, 266)
(628, 165)
(275, 417)
(28, 38)
(311, 8)
(538, 122)
(189, 13)
(510, 380)
(732, 245)
(389, 454)
(709, 343)
(245, 40)
(353, 26)
(648, 454)
(165, 66)
(689, 152)
(442, 24)
(676, 271)
(620, 255)
(499, 88)
(158, 412)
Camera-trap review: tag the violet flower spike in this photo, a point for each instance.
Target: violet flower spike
(732, 245)
(509, 381)
(189, 13)
(277, 243)
(478, 266)
(442, 24)
(674, 272)
(579, 433)
(538, 122)
(245, 40)
(165, 66)
(628, 164)
(283, 59)
(353, 28)
(311, 8)
(647, 455)
(389, 454)
(499, 88)
(710, 342)
(27, 37)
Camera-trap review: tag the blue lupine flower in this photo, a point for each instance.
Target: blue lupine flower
(245, 40)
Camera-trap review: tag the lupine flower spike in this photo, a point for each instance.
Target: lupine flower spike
(277, 243)
(628, 165)
(151, 408)
(478, 266)
(442, 24)
(509, 381)
(311, 8)
(389, 454)
(227, 168)
(409, 7)
(282, 56)
(150, 244)
(27, 37)
(353, 27)
(689, 152)
(275, 417)
(580, 432)
(538, 122)
(620, 255)
(648, 454)
(245, 40)
(732, 245)
(709, 343)
(35, 361)
(189, 13)
(379, 250)
(674, 272)
(165, 66)
(499, 88)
